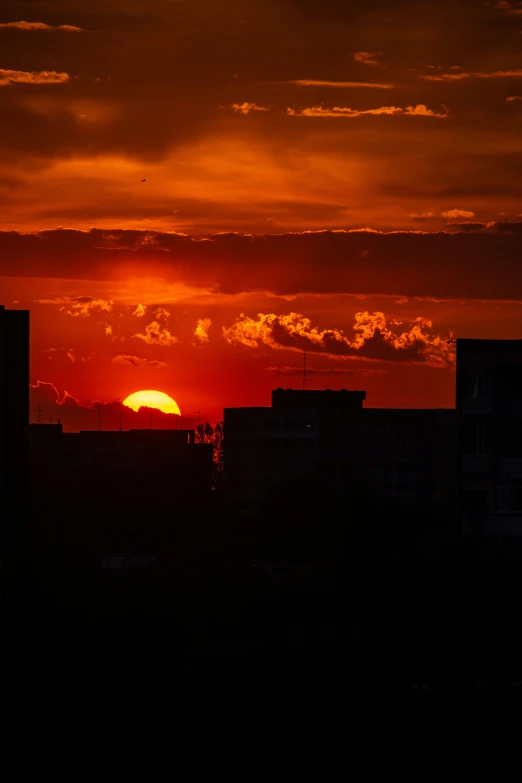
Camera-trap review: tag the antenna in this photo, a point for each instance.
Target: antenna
(38, 410)
(304, 370)
(119, 412)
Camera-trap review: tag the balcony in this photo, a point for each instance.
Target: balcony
(480, 406)
(511, 466)
(475, 463)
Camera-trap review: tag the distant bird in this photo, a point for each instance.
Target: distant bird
(143, 180)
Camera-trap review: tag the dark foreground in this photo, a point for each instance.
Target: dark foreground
(426, 634)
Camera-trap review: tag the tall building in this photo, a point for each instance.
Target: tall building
(326, 440)
(489, 410)
(14, 441)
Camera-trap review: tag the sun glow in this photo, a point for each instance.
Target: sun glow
(152, 399)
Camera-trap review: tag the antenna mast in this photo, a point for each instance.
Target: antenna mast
(38, 410)
(304, 370)
(119, 412)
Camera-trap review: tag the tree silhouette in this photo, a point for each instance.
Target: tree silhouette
(206, 433)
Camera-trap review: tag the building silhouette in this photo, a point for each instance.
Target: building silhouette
(112, 490)
(14, 447)
(327, 439)
(489, 410)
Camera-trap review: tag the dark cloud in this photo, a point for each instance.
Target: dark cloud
(441, 264)
(372, 338)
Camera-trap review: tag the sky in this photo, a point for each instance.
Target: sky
(194, 192)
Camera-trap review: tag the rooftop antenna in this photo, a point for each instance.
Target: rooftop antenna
(304, 370)
(38, 410)
(119, 412)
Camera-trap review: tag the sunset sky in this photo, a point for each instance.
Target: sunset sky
(344, 178)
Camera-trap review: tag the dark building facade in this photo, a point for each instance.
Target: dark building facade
(113, 489)
(14, 439)
(326, 438)
(489, 410)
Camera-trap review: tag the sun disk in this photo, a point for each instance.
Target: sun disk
(150, 398)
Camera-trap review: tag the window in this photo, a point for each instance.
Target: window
(384, 440)
(476, 500)
(507, 498)
(480, 439)
(477, 385)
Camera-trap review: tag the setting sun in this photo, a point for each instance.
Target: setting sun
(152, 399)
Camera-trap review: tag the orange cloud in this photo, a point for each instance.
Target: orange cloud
(455, 77)
(284, 369)
(202, 329)
(125, 360)
(68, 28)
(32, 77)
(373, 340)
(457, 213)
(367, 58)
(419, 110)
(140, 310)
(80, 305)
(70, 355)
(514, 98)
(160, 313)
(322, 83)
(155, 334)
(246, 108)
(420, 216)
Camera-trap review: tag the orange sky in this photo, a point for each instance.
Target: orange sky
(336, 177)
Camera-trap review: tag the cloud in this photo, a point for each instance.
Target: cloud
(67, 28)
(202, 329)
(367, 58)
(514, 98)
(469, 226)
(155, 334)
(80, 305)
(419, 110)
(454, 264)
(108, 330)
(507, 7)
(284, 369)
(455, 77)
(125, 360)
(354, 84)
(160, 313)
(452, 214)
(373, 340)
(32, 77)
(246, 108)
(70, 355)
(422, 216)
(140, 310)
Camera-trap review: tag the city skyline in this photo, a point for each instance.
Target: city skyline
(194, 193)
